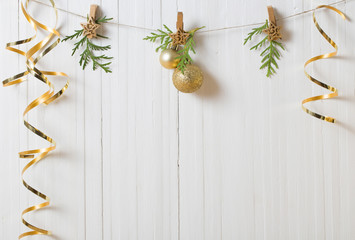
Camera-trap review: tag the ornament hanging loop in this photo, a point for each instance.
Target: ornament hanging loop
(174, 47)
(93, 10)
(180, 22)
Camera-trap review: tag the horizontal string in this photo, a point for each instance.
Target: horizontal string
(201, 31)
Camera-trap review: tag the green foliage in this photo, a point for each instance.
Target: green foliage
(77, 34)
(103, 20)
(162, 36)
(259, 44)
(88, 55)
(270, 54)
(184, 53)
(165, 41)
(256, 31)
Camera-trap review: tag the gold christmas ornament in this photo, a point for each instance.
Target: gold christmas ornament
(187, 78)
(189, 81)
(168, 58)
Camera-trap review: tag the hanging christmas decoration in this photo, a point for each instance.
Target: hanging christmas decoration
(189, 81)
(323, 56)
(169, 58)
(32, 57)
(87, 34)
(271, 53)
(175, 54)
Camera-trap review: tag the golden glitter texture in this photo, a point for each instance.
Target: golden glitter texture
(189, 81)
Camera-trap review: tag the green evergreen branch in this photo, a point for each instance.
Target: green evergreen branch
(165, 40)
(256, 31)
(260, 44)
(184, 54)
(101, 36)
(270, 54)
(77, 34)
(78, 44)
(95, 47)
(103, 20)
(88, 55)
(162, 36)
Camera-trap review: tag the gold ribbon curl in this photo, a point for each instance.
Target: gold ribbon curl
(323, 56)
(41, 48)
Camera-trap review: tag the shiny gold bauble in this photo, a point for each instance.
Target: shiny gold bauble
(168, 58)
(189, 81)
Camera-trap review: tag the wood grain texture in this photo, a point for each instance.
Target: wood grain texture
(136, 159)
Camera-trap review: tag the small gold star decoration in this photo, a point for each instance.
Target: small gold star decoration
(179, 38)
(273, 32)
(90, 28)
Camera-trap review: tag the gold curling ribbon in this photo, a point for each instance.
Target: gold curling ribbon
(323, 56)
(41, 48)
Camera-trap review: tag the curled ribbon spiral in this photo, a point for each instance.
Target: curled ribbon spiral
(41, 48)
(323, 56)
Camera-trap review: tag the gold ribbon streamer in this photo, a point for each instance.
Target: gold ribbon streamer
(41, 48)
(323, 56)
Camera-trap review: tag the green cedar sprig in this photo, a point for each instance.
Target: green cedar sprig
(184, 53)
(88, 55)
(162, 36)
(270, 54)
(256, 31)
(165, 41)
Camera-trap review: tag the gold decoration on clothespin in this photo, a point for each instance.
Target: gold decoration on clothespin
(180, 37)
(273, 31)
(91, 26)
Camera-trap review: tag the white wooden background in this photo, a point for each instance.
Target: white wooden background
(136, 159)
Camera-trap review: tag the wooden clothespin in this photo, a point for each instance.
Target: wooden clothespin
(271, 13)
(91, 26)
(180, 22)
(93, 9)
(180, 37)
(273, 31)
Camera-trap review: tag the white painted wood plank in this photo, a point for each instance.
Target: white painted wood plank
(93, 150)
(346, 136)
(109, 121)
(68, 113)
(140, 125)
(92, 103)
(9, 128)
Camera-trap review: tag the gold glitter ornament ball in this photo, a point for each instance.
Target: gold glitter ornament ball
(190, 81)
(168, 58)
